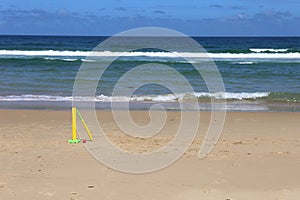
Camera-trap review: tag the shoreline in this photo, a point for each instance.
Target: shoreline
(256, 157)
(169, 106)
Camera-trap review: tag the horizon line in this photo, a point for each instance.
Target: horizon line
(66, 35)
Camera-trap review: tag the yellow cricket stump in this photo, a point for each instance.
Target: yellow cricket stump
(85, 125)
(74, 128)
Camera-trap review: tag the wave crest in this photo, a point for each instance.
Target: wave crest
(260, 54)
(142, 98)
(268, 50)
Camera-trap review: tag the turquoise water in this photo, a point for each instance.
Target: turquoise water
(258, 73)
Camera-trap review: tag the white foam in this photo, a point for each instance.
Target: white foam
(275, 55)
(142, 98)
(245, 63)
(255, 55)
(43, 53)
(49, 58)
(30, 97)
(61, 59)
(87, 60)
(268, 50)
(64, 59)
(232, 95)
(69, 59)
(156, 98)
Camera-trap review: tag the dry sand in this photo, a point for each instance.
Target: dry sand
(257, 157)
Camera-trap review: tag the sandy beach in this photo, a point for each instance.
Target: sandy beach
(257, 157)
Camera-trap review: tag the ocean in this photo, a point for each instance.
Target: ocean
(259, 73)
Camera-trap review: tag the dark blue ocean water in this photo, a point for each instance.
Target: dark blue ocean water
(259, 73)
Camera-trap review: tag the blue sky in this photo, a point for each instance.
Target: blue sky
(109, 17)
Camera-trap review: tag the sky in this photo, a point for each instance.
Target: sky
(191, 17)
